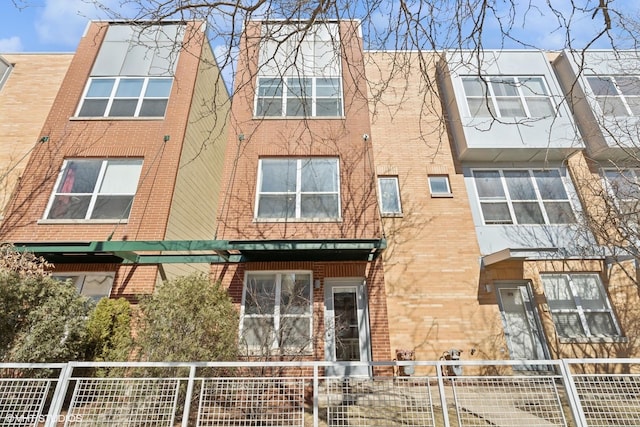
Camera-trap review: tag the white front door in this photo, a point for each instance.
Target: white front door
(521, 327)
(346, 326)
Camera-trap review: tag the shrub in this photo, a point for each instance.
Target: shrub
(188, 319)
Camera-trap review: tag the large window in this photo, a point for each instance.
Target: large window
(523, 196)
(389, 195)
(508, 96)
(579, 305)
(617, 95)
(299, 97)
(624, 189)
(126, 97)
(92, 285)
(133, 71)
(307, 188)
(299, 71)
(95, 189)
(276, 312)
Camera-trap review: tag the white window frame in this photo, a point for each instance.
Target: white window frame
(284, 96)
(580, 310)
(396, 196)
(277, 315)
(624, 99)
(298, 191)
(491, 99)
(112, 96)
(510, 202)
(445, 178)
(96, 189)
(79, 278)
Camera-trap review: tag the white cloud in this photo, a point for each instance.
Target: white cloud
(11, 44)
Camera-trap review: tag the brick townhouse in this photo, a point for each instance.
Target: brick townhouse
(130, 154)
(353, 202)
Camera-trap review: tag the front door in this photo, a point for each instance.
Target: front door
(346, 326)
(521, 326)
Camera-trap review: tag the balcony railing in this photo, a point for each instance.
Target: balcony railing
(575, 392)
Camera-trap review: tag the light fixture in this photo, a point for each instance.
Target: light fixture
(166, 138)
(316, 284)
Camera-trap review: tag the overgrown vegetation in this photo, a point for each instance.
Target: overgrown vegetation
(188, 319)
(41, 319)
(45, 320)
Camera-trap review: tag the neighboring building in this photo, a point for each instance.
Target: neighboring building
(131, 156)
(29, 83)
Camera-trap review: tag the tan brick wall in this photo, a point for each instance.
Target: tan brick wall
(432, 265)
(25, 100)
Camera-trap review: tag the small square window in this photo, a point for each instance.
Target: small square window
(439, 186)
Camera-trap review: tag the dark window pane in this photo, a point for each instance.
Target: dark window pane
(112, 207)
(69, 207)
(568, 325)
(93, 108)
(277, 206)
(520, 185)
(602, 86)
(550, 185)
(319, 206)
(319, 175)
(489, 184)
(601, 324)
(260, 294)
(278, 175)
(559, 212)
(269, 107)
(528, 213)
(80, 176)
(123, 108)
(153, 108)
(496, 213)
(298, 107)
(328, 107)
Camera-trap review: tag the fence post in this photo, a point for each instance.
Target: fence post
(58, 396)
(316, 385)
(572, 394)
(443, 396)
(187, 398)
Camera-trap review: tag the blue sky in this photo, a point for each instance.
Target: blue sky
(57, 25)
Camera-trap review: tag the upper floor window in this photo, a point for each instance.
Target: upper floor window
(94, 189)
(5, 70)
(92, 285)
(126, 97)
(299, 97)
(624, 189)
(523, 196)
(579, 305)
(389, 196)
(299, 72)
(133, 72)
(276, 312)
(508, 96)
(306, 188)
(617, 95)
(439, 185)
